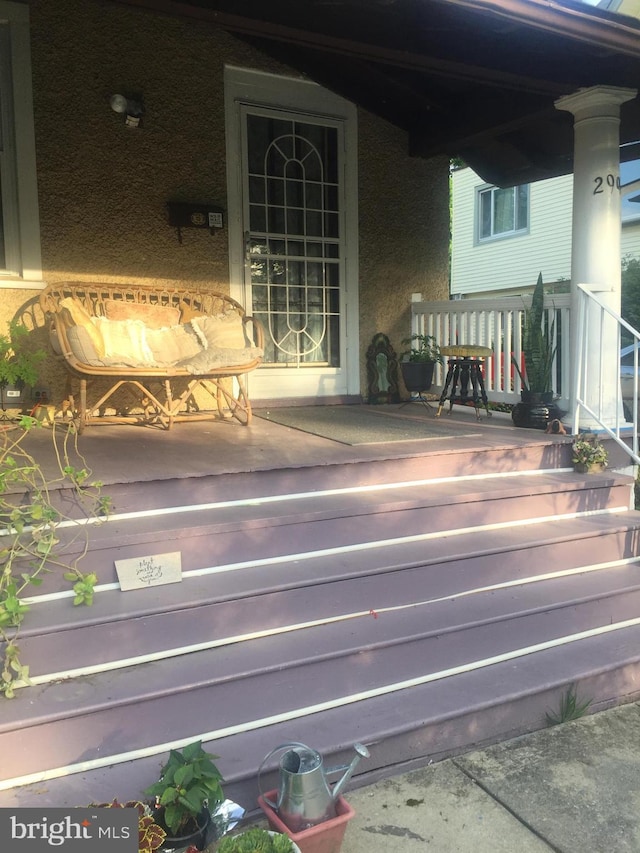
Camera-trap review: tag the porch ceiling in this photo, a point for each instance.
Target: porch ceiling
(472, 78)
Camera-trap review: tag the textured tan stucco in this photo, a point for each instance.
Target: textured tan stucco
(103, 187)
(404, 232)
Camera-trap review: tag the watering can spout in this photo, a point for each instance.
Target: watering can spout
(338, 788)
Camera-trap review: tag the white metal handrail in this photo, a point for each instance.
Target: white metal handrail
(592, 314)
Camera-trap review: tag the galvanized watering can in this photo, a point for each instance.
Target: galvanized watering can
(304, 796)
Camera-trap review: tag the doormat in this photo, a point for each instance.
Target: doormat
(362, 424)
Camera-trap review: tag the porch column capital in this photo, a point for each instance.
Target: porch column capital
(596, 102)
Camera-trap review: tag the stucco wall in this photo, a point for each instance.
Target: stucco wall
(103, 187)
(404, 232)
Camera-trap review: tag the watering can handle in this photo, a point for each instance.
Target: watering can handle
(275, 806)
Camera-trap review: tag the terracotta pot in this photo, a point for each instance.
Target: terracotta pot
(325, 837)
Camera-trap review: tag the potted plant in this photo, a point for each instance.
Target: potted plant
(18, 366)
(418, 362)
(257, 840)
(188, 790)
(589, 454)
(150, 835)
(536, 407)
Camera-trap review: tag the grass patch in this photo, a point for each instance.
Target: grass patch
(570, 708)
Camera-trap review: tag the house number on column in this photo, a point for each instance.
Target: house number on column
(608, 182)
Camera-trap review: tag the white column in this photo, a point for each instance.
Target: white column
(595, 257)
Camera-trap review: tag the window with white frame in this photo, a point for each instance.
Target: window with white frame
(502, 212)
(20, 258)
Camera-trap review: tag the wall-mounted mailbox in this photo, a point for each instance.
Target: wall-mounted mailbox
(186, 215)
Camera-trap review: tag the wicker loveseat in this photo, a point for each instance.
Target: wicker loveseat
(151, 355)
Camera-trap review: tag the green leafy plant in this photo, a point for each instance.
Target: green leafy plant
(538, 345)
(256, 841)
(423, 348)
(18, 366)
(588, 450)
(188, 782)
(570, 708)
(29, 540)
(150, 835)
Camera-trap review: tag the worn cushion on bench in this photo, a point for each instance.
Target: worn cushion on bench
(199, 346)
(131, 344)
(125, 342)
(222, 330)
(173, 345)
(154, 316)
(82, 345)
(77, 315)
(215, 357)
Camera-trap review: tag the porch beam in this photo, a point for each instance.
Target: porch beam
(429, 140)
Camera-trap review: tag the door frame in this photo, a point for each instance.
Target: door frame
(255, 88)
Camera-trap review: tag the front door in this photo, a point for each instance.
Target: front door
(294, 269)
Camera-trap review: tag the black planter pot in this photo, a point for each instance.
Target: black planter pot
(417, 375)
(535, 410)
(198, 837)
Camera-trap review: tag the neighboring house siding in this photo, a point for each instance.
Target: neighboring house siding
(510, 263)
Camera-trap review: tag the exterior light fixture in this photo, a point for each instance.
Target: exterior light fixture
(130, 108)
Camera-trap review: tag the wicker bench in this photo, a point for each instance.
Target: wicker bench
(150, 355)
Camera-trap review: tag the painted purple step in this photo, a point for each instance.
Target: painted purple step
(539, 453)
(255, 681)
(295, 673)
(220, 535)
(446, 565)
(100, 635)
(431, 722)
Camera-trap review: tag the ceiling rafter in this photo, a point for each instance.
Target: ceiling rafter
(270, 31)
(475, 78)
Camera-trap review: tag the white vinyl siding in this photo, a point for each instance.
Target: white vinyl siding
(513, 263)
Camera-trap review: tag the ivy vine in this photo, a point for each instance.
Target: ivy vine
(29, 533)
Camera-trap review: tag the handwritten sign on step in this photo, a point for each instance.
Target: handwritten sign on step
(154, 570)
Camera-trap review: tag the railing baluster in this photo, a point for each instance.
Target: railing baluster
(498, 323)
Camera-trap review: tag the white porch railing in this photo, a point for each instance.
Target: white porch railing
(497, 323)
(592, 315)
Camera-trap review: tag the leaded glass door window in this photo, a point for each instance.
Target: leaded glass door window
(293, 241)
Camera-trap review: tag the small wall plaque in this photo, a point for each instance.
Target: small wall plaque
(154, 570)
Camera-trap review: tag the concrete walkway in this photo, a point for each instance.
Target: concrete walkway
(571, 788)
